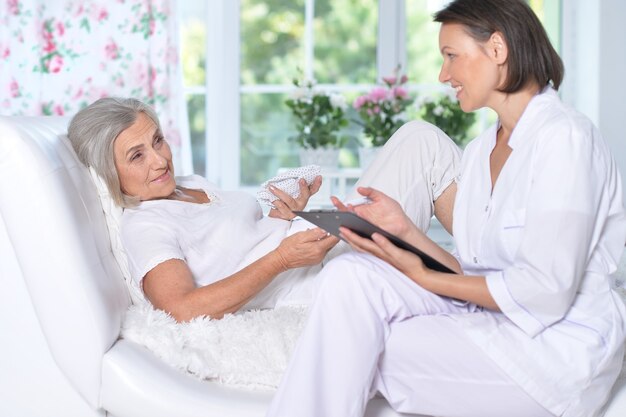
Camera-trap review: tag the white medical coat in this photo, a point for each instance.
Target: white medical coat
(547, 237)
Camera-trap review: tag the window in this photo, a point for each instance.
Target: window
(331, 41)
(549, 12)
(240, 57)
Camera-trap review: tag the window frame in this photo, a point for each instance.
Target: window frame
(222, 109)
(222, 89)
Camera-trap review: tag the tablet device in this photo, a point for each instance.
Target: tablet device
(331, 220)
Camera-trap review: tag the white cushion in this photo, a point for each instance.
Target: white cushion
(113, 215)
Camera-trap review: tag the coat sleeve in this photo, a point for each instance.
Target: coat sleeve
(564, 205)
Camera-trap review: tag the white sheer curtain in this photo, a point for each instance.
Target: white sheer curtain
(57, 57)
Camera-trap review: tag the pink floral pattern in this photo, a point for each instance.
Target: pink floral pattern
(57, 57)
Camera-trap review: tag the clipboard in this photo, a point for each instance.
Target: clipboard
(331, 220)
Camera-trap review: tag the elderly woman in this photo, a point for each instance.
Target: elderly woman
(197, 250)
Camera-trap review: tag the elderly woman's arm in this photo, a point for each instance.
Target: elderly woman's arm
(170, 285)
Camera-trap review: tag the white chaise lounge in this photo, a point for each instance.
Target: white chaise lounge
(63, 300)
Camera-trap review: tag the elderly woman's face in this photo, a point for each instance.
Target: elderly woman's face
(473, 69)
(143, 160)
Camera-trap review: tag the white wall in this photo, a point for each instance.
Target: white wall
(593, 36)
(612, 106)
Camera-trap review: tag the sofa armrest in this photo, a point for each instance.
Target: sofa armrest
(135, 383)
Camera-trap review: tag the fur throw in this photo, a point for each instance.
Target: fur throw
(248, 349)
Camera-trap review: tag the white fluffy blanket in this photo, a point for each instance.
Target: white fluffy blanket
(249, 349)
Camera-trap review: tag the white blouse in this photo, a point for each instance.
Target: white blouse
(547, 237)
(215, 239)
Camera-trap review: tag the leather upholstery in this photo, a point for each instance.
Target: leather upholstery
(54, 221)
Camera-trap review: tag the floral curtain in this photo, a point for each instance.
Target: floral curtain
(57, 57)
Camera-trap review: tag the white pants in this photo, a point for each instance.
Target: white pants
(372, 329)
(414, 167)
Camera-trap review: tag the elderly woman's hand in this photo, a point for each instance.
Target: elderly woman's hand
(305, 248)
(284, 206)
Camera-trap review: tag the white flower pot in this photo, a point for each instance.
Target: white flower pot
(367, 155)
(324, 157)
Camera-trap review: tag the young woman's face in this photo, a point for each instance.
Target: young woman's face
(143, 160)
(468, 66)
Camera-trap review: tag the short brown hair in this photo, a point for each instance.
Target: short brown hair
(531, 56)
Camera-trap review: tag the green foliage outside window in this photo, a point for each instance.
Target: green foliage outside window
(272, 48)
(319, 117)
(445, 113)
(272, 43)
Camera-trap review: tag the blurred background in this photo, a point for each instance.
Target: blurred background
(348, 45)
(219, 71)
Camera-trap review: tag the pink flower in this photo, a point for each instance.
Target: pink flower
(378, 94)
(60, 28)
(58, 109)
(389, 80)
(111, 50)
(14, 7)
(55, 64)
(6, 52)
(48, 37)
(360, 101)
(102, 15)
(14, 87)
(49, 46)
(399, 92)
(46, 33)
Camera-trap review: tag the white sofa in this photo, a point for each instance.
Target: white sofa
(63, 299)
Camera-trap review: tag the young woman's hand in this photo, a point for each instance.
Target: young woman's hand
(285, 204)
(305, 248)
(381, 210)
(406, 262)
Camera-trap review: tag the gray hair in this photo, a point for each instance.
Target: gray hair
(92, 132)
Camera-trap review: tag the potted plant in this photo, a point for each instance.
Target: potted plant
(381, 112)
(444, 112)
(319, 117)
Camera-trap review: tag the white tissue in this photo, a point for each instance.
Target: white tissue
(288, 182)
